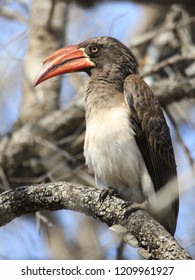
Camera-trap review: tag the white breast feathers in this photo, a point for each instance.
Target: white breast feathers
(112, 154)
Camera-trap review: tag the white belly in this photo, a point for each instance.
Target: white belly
(112, 154)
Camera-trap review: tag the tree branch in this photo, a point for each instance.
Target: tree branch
(8, 14)
(176, 59)
(174, 89)
(62, 195)
(21, 145)
(150, 35)
(47, 34)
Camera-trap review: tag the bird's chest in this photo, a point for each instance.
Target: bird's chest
(110, 149)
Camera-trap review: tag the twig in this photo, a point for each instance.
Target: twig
(4, 180)
(180, 140)
(13, 15)
(168, 62)
(146, 37)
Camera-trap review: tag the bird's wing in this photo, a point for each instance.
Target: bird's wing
(153, 138)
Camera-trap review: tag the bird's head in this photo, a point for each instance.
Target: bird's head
(91, 56)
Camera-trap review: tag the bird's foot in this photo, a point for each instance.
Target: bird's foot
(131, 207)
(106, 192)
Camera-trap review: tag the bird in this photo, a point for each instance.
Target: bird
(127, 144)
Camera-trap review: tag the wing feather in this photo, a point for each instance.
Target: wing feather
(153, 139)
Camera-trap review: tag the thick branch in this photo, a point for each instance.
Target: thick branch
(173, 89)
(21, 145)
(62, 195)
(47, 34)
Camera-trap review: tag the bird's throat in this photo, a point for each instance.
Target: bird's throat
(101, 95)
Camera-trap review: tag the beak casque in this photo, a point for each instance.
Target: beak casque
(66, 60)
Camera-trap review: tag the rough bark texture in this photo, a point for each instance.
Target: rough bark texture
(150, 235)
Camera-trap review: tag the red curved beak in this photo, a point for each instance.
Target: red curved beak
(65, 60)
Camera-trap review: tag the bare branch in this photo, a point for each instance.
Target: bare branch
(21, 145)
(5, 12)
(168, 62)
(146, 37)
(150, 234)
(47, 34)
(173, 89)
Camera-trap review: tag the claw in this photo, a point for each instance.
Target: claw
(127, 204)
(106, 192)
(134, 206)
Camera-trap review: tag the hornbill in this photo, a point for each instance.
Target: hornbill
(127, 143)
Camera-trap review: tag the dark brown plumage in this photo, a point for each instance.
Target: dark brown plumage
(128, 144)
(153, 139)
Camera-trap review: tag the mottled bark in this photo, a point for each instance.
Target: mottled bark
(150, 235)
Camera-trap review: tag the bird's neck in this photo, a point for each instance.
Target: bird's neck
(102, 94)
(109, 75)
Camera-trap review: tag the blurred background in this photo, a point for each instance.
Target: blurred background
(42, 129)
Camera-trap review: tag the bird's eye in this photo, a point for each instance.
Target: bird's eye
(94, 49)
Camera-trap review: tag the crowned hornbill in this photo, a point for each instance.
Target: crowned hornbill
(127, 144)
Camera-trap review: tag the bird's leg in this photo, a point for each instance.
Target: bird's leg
(107, 192)
(131, 207)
